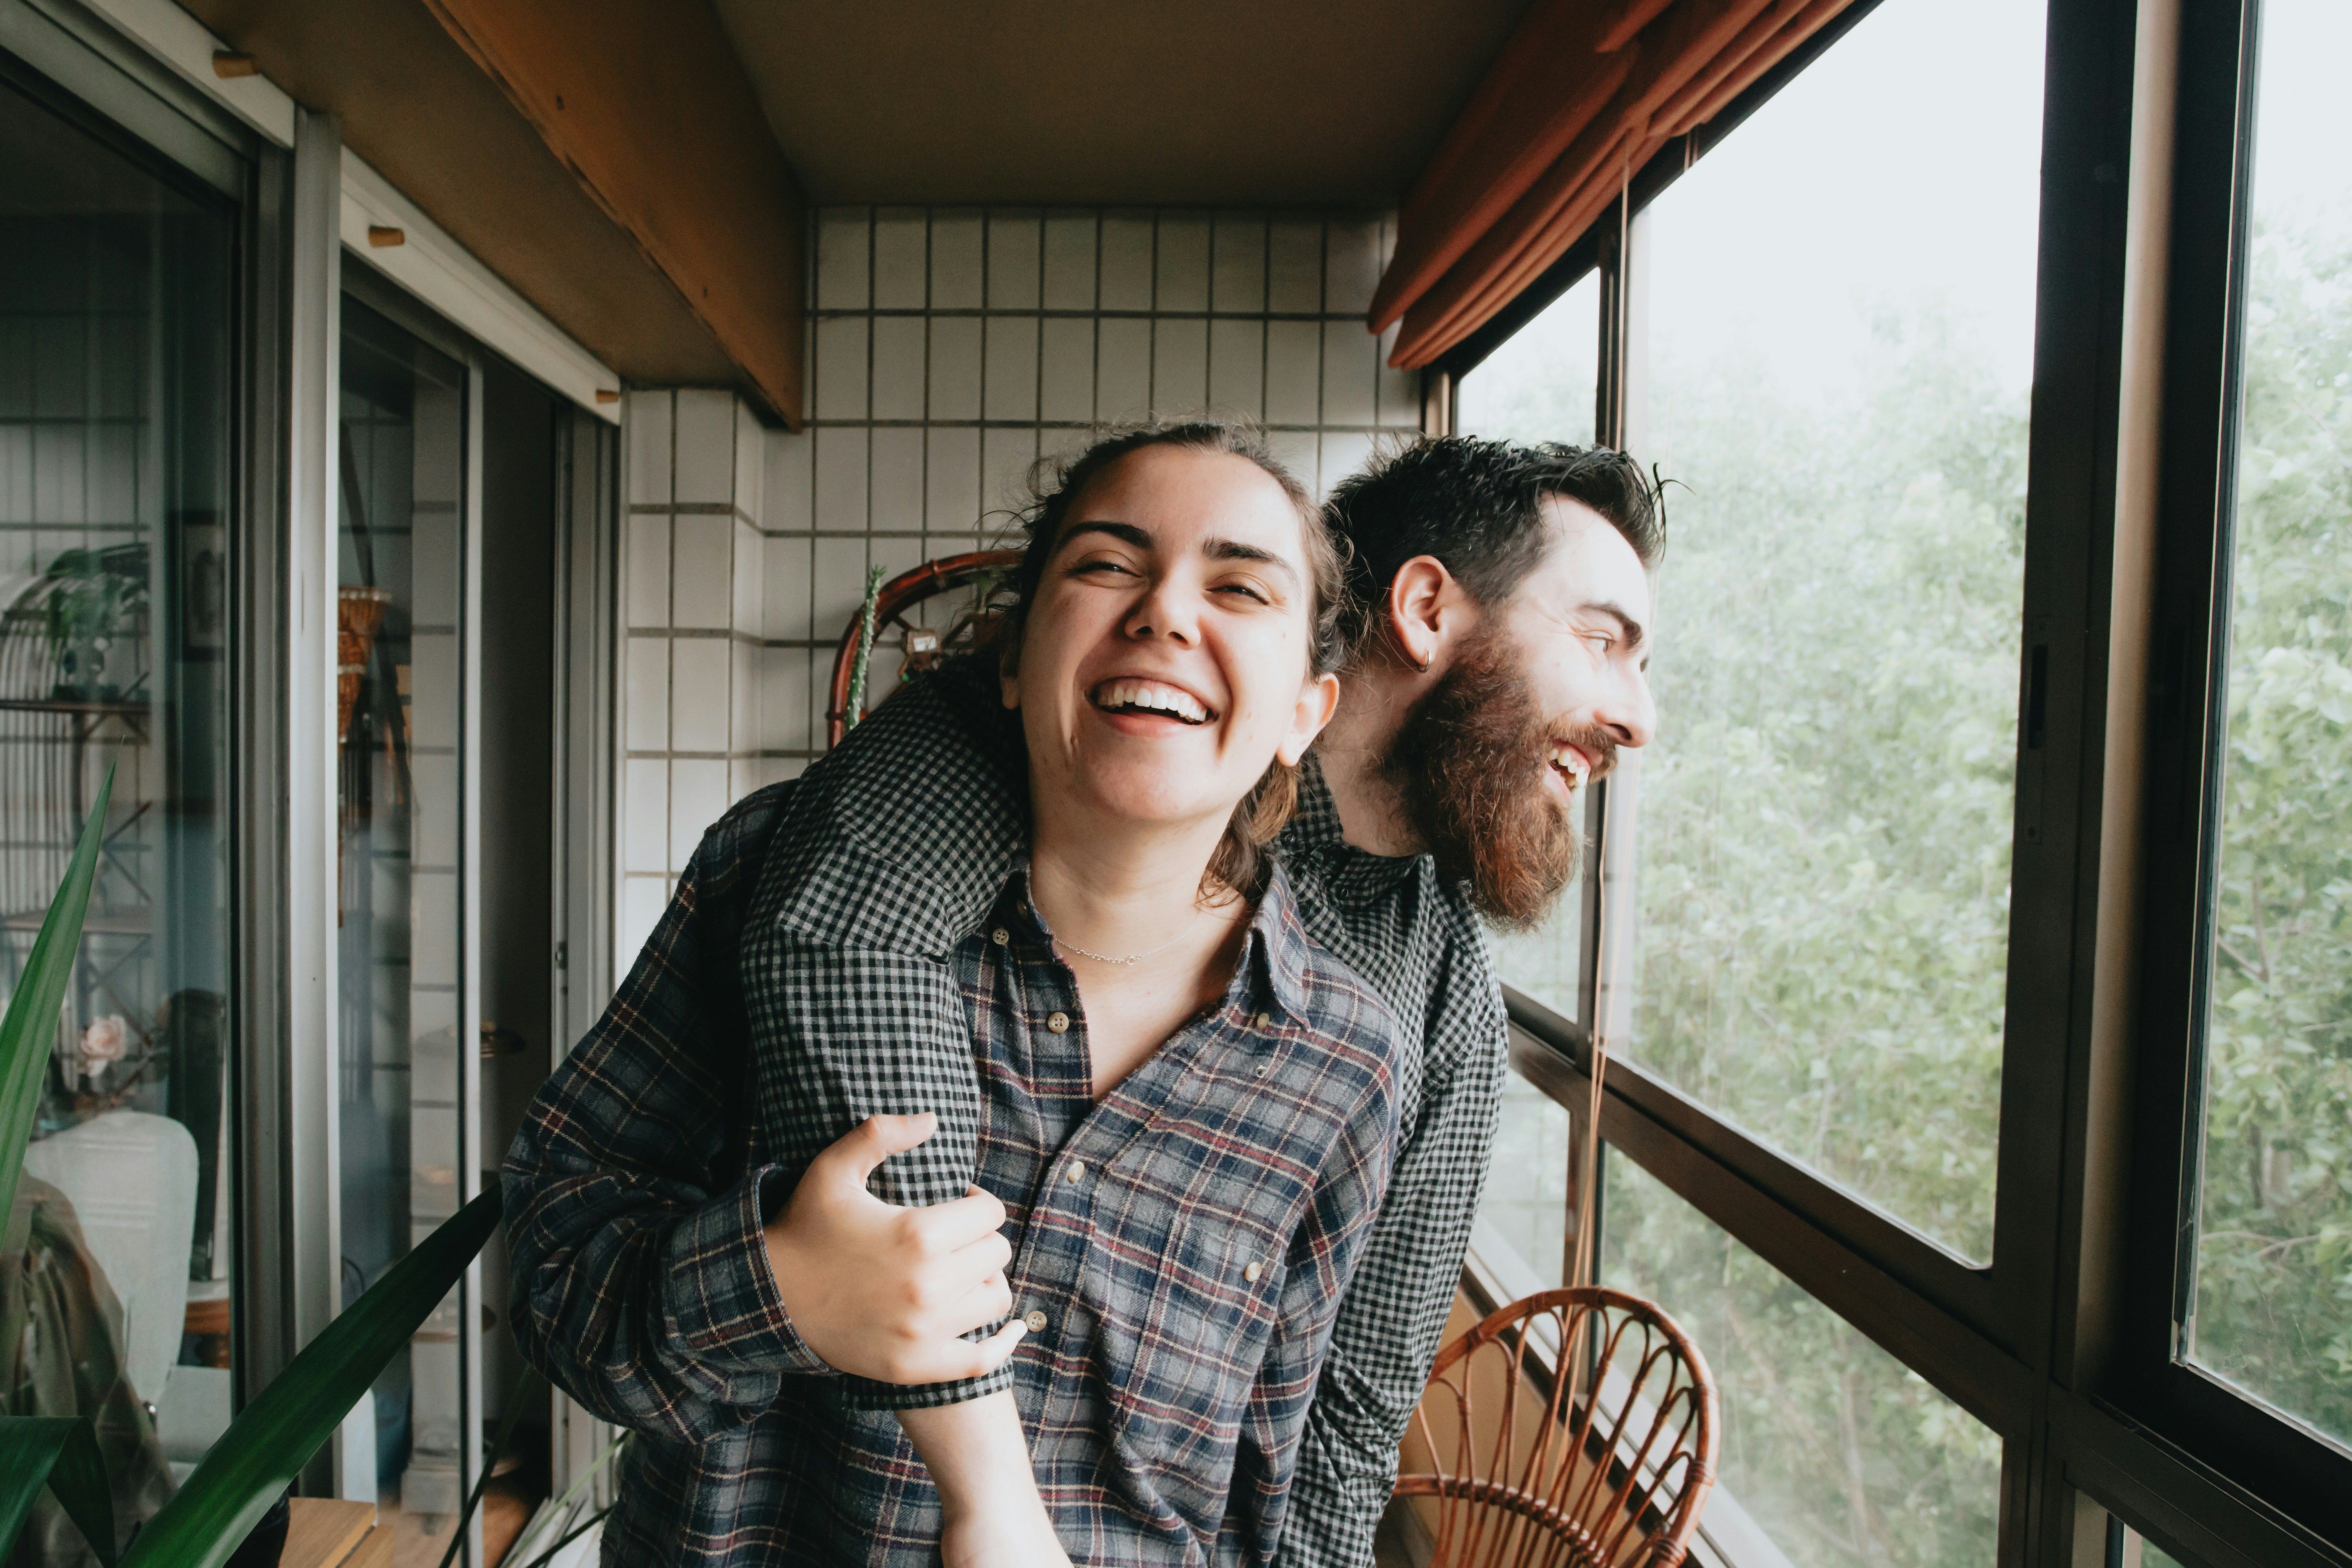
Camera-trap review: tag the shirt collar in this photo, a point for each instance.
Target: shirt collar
(1277, 945)
(1273, 966)
(1315, 832)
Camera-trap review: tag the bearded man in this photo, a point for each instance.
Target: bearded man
(1498, 596)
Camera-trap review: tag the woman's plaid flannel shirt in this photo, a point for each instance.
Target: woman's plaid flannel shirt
(637, 1185)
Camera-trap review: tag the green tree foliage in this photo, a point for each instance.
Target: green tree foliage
(1822, 890)
(1822, 886)
(2273, 1294)
(1843, 1455)
(1824, 883)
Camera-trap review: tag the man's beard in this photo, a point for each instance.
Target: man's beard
(1468, 766)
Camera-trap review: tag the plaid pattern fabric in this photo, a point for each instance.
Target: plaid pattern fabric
(1190, 1241)
(1419, 944)
(852, 1008)
(636, 1189)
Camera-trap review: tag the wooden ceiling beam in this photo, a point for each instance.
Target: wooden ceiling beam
(646, 101)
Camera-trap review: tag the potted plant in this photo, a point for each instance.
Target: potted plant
(249, 1468)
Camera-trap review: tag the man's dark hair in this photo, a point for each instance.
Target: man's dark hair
(1477, 505)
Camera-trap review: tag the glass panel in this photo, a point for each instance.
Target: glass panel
(1539, 386)
(2274, 1236)
(1831, 1447)
(116, 340)
(2128, 1548)
(1842, 336)
(403, 470)
(1527, 1179)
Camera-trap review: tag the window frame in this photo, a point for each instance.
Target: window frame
(80, 67)
(2286, 1464)
(2061, 1342)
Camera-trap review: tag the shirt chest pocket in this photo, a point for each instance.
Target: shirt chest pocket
(1188, 1309)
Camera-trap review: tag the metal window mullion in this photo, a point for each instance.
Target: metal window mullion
(1606, 956)
(305, 1264)
(470, 954)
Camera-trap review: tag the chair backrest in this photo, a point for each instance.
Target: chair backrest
(899, 605)
(1607, 1460)
(131, 1179)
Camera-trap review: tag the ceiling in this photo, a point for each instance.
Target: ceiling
(412, 104)
(1204, 102)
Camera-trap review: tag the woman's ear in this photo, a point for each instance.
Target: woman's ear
(1318, 700)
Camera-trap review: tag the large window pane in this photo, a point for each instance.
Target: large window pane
(1842, 1455)
(1542, 386)
(400, 721)
(2272, 1302)
(1525, 1198)
(116, 349)
(1539, 386)
(1842, 317)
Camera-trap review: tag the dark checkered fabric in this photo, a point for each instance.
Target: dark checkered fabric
(889, 860)
(644, 1131)
(1190, 1241)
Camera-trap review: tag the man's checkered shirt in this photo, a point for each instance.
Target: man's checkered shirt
(637, 1185)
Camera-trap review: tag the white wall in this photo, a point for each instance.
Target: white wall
(949, 347)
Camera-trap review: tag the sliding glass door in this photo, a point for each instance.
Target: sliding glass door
(401, 1096)
(117, 337)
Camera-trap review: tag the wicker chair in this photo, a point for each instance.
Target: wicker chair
(926, 631)
(1529, 1472)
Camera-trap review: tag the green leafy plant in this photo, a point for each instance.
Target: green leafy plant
(854, 709)
(61, 1452)
(275, 1435)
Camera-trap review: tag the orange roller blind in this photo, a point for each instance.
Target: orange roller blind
(1580, 97)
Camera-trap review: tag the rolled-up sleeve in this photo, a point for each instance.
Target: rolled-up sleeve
(634, 1221)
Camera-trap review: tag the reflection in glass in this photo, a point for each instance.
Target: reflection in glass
(116, 344)
(1842, 1455)
(2128, 1548)
(1540, 385)
(1525, 1197)
(404, 465)
(2271, 1308)
(1839, 381)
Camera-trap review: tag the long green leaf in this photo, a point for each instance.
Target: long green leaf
(63, 1451)
(28, 1031)
(275, 1436)
(490, 1462)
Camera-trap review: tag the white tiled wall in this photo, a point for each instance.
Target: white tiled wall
(949, 349)
(692, 581)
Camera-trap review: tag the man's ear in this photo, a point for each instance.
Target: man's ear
(1318, 700)
(1427, 609)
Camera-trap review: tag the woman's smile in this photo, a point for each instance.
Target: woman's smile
(1152, 699)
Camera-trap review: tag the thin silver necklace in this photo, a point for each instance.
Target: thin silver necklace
(1134, 957)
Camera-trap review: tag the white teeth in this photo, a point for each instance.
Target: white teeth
(1570, 761)
(1157, 696)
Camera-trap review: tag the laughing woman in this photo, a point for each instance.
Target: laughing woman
(1177, 1114)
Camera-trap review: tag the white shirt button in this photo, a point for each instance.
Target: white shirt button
(1058, 1022)
(1076, 1172)
(1000, 936)
(1035, 1320)
(1253, 1271)
(1262, 1020)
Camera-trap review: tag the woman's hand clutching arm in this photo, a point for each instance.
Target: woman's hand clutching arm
(889, 1293)
(885, 1292)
